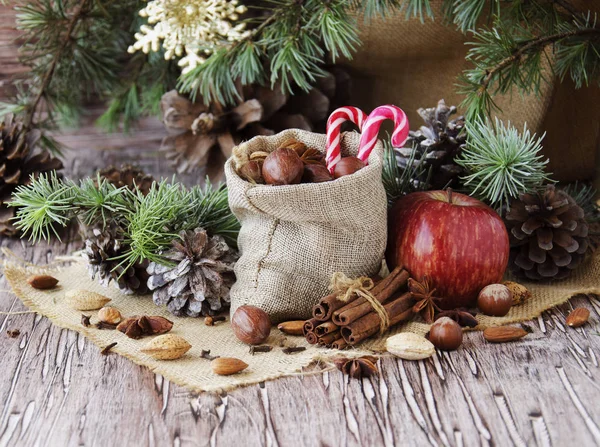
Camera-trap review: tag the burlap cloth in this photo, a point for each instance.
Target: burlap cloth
(194, 372)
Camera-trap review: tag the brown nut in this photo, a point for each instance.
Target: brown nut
(252, 172)
(316, 173)
(578, 317)
(225, 366)
(298, 146)
(251, 325)
(283, 167)
(42, 282)
(294, 327)
(503, 334)
(446, 334)
(347, 166)
(495, 300)
(166, 347)
(109, 315)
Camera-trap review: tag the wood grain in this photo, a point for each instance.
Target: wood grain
(56, 388)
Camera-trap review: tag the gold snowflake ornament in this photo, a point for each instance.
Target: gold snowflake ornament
(189, 29)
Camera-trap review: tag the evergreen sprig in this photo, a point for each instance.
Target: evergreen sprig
(501, 163)
(399, 181)
(149, 223)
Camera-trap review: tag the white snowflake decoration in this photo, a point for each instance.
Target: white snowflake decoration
(189, 29)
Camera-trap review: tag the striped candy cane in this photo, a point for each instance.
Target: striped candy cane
(334, 125)
(368, 138)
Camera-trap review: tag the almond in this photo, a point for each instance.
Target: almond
(520, 293)
(578, 317)
(42, 282)
(293, 327)
(225, 366)
(109, 315)
(503, 334)
(166, 347)
(81, 299)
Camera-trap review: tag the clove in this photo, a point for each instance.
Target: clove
(292, 349)
(205, 354)
(260, 348)
(212, 319)
(85, 320)
(106, 349)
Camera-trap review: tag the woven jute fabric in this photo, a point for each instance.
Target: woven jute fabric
(294, 238)
(194, 372)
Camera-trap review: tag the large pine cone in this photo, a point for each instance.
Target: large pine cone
(17, 164)
(548, 233)
(436, 145)
(202, 135)
(199, 281)
(102, 250)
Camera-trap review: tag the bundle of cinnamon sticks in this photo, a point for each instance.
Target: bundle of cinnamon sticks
(338, 324)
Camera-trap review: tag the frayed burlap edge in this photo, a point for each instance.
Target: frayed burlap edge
(194, 372)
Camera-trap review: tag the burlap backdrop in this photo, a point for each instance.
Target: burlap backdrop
(294, 237)
(413, 65)
(194, 372)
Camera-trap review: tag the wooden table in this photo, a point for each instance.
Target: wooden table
(58, 390)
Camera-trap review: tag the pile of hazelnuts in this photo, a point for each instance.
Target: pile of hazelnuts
(293, 163)
(494, 300)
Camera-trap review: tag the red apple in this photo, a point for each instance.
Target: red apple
(456, 240)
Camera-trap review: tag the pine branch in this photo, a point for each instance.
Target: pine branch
(50, 70)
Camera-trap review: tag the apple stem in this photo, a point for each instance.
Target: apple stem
(449, 191)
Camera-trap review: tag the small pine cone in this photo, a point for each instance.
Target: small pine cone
(436, 145)
(19, 160)
(128, 176)
(199, 282)
(102, 250)
(548, 234)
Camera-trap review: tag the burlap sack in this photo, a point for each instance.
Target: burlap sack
(293, 238)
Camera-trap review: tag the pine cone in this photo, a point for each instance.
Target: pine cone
(102, 250)
(199, 283)
(548, 233)
(18, 164)
(202, 135)
(129, 176)
(436, 145)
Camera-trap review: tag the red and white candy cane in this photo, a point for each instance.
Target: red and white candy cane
(334, 125)
(370, 129)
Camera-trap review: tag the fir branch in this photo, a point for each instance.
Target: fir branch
(77, 13)
(501, 164)
(399, 181)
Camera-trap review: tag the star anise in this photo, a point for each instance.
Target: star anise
(423, 293)
(136, 327)
(463, 317)
(357, 368)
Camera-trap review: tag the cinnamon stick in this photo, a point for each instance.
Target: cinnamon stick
(345, 316)
(377, 288)
(326, 328)
(340, 343)
(398, 309)
(329, 338)
(324, 308)
(310, 325)
(311, 338)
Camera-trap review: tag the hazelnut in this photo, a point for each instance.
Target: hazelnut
(495, 300)
(347, 166)
(252, 172)
(251, 325)
(109, 315)
(446, 334)
(316, 174)
(283, 167)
